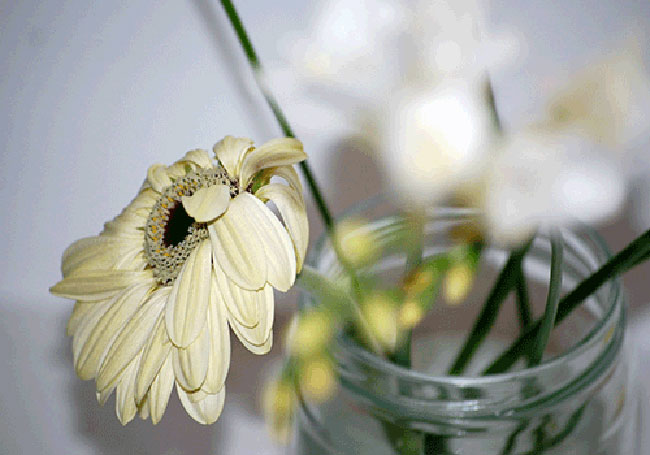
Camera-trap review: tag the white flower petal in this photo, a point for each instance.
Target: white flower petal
(99, 284)
(241, 303)
(154, 354)
(259, 339)
(97, 253)
(125, 406)
(157, 177)
(292, 209)
(276, 152)
(187, 305)
(191, 363)
(229, 150)
(219, 359)
(289, 174)
(207, 203)
(107, 329)
(143, 407)
(236, 246)
(205, 411)
(279, 252)
(79, 313)
(132, 338)
(199, 157)
(87, 325)
(161, 387)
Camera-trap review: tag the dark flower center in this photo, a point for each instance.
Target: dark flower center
(177, 226)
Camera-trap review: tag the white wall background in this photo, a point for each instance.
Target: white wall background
(91, 93)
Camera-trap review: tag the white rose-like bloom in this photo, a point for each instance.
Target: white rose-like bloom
(542, 178)
(195, 251)
(436, 139)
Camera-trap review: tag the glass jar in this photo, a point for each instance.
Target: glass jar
(577, 401)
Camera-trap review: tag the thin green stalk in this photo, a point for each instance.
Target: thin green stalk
(256, 66)
(522, 300)
(634, 254)
(502, 286)
(552, 301)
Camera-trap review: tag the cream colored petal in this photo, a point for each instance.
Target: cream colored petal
(97, 253)
(207, 203)
(241, 303)
(104, 395)
(258, 340)
(199, 157)
(157, 177)
(289, 174)
(292, 209)
(276, 152)
(132, 260)
(132, 338)
(229, 151)
(87, 325)
(143, 408)
(219, 357)
(125, 405)
(154, 354)
(191, 363)
(160, 390)
(80, 311)
(99, 284)
(107, 329)
(236, 247)
(187, 305)
(206, 410)
(279, 253)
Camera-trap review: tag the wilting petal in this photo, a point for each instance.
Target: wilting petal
(279, 253)
(154, 354)
(229, 150)
(79, 313)
(125, 406)
(161, 387)
(276, 152)
(107, 329)
(289, 174)
(236, 246)
(292, 209)
(97, 253)
(191, 363)
(187, 305)
(206, 410)
(219, 357)
(207, 203)
(157, 177)
(132, 338)
(241, 303)
(99, 284)
(259, 339)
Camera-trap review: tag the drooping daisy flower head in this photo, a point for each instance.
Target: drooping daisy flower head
(197, 250)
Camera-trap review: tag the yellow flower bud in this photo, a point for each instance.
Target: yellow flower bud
(312, 333)
(355, 243)
(458, 282)
(419, 281)
(381, 317)
(317, 379)
(410, 314)
(278, 401)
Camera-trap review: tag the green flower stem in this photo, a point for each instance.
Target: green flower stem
(255, 64)
(552, 301)
(504, 283)
(635, 253)
(523, 303)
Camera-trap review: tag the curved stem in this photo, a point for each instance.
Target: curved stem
(256, 66)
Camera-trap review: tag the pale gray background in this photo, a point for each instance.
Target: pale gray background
(92, 93)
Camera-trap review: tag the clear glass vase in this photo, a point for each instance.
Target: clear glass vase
(576, 402)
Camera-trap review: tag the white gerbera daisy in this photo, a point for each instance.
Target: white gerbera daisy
(196, 250)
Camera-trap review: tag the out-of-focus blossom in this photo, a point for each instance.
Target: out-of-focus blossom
(435, 139)
(317, 378)
(355, 242)
(540, 178)
(609, 100)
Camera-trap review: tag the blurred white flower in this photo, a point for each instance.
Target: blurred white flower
(434, 139)
(609, 100)
(549, 177)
